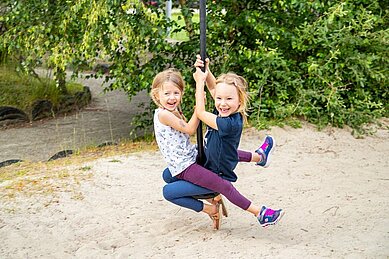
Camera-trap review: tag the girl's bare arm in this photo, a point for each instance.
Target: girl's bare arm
(211, 79)
(169, 119)
(207, 117)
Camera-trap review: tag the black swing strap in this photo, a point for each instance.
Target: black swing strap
(200, 143)
(203, 26)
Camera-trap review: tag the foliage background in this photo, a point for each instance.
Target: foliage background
(323, 61)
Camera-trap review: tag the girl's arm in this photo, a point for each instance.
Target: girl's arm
(169, 119)
(211, 80)
(207, 117)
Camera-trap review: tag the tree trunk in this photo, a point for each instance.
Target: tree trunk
(60, 76)
(187, 18)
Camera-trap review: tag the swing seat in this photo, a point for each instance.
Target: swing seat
(206, 196)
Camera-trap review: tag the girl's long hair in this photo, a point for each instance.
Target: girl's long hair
(241, 85)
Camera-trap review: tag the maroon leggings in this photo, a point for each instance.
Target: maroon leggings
(205, 178)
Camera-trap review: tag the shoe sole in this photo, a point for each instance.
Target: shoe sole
(224, 208)
(268, 159)
(274, 222)
(218, 221)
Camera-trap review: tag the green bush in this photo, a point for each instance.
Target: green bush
(346, 67)
(322, 60)
(21, 91)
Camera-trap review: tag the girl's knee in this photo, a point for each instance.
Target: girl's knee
(167, 176)
(167, 193)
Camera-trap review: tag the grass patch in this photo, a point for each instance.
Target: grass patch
(21, 90)
(62, 175)
(182, 34)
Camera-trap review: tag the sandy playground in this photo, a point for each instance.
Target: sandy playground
(333, 187)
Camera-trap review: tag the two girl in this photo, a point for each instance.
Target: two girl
(224, 130)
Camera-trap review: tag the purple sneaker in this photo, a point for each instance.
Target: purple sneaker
(266, 150)
(268, 216)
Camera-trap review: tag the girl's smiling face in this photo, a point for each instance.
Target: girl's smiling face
(226, 99)
(170, 96)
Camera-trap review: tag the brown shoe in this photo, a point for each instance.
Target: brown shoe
(219, 200)
(223, 206)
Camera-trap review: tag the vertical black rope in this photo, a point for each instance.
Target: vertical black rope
(200, 143)
(203, 26)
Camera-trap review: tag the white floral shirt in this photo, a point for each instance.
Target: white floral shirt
(174, 145)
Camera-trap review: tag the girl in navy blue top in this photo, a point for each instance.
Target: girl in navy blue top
(221, 146)
(224, 129)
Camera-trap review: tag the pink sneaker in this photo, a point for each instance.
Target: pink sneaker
(268, 216)
(266, 150)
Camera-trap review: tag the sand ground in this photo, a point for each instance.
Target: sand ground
(333, 187)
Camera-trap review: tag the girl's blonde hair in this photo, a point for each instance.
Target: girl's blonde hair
(169, 75)
(241, 85)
